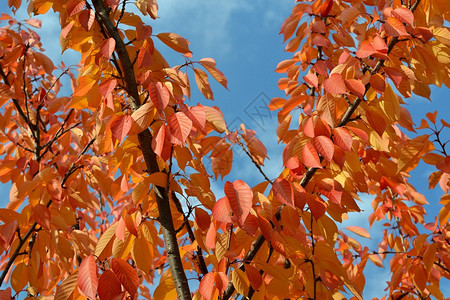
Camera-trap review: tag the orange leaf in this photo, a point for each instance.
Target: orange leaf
(87, 277)
(210, 65)
(54, 189)
(359, 231)
(282, 190)
(240, 197)
(202, 219)
(42, 216)
(109, 286)
(335, 84)
(365, 49)
(175, 42)
(285, 65)
(324, 146)
(126, 274)
(201, 78)
(432, 117)
(310, 157)
(107, 48)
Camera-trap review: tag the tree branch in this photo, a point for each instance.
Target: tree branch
(145, 142)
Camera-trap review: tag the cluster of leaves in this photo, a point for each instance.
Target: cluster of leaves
(97, 177)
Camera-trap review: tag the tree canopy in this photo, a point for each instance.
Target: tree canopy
(104, 169)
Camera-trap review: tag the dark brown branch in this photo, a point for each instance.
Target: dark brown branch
(199, 255)
(145, 141)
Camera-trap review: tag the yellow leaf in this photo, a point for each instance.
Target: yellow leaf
(142, 254)
(67, 287)
(103, 242)
(442, 34)
(240, 281)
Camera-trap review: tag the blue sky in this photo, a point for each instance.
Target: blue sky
(242, 36)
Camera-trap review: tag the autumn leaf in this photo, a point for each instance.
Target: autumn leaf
(87, 277)
(282, 190)
(159, 95)
(335, 84)
(126, 274)
(175, 42)
(109, 286)
(240, 197)
(359, 231)
(310, 157)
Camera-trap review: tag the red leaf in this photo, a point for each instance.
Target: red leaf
(158, 140)
(7, 232)
(282, 190)
(159, 94)
(126, 274)
(335, 84)
(87, 277)
(310, 157)
(109, 286)
(394, 27)
(308, 127)
(107, 87)
(342, 138)
(254, 277)
(403, 14)
(42, 216)
(312, 79)
(202, 219)
(365, 49)
(240, 197)
(377, 83)
(356, 87)
(86, 19)
(324, 146)
(210, 240)
(180, 126)
(107, 48)
(74, 6)
(120, 127)
(206, 286)
(221, 210)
